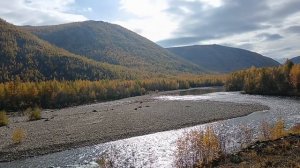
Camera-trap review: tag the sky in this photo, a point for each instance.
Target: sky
(269, 27)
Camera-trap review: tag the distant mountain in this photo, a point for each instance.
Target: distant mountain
(113, 44)
(25, 56)
(222, 59)
(296, 60)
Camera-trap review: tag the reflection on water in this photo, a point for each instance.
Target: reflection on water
(198, 91)
(157, 150)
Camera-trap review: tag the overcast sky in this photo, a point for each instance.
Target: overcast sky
(269, 27)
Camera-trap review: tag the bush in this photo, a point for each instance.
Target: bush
(34, 114)
(4, 120)
(295, 130)
(278, 130)
(198, 149)
(18, 135)
(273, 132)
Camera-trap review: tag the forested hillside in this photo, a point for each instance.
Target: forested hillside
(25, 56)
(296, 60)
(222, 59)
(113, 44)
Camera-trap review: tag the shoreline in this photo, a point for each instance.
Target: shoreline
(80, 126)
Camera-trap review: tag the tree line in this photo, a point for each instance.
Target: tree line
(18, 95)
(283, 80)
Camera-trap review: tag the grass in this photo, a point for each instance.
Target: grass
(34, 114)
(18, 135)
(4, 120)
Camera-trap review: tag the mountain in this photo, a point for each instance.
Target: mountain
(112, 44)
(25, 56)
(222, 59)
(296, 60)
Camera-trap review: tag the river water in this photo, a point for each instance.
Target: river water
(158, 149)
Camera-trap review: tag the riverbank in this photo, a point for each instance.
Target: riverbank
(102, 122)
(280, 153)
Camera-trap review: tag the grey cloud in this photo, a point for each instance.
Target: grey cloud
(293, 29)
(290, 7)
(269, 37)
(232, 18)
(246, 46)
(183, 40)
(24, 12)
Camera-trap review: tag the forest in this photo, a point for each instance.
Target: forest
(283, 80)
(18, 95)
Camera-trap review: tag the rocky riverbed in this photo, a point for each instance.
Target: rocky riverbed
(102, 122)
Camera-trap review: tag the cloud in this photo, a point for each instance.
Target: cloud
(265, 26)
(293, 29)
(232, 17)
(148, 17)
(38, 12)
(269, 37)
(257, 25)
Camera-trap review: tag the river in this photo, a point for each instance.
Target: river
(157, 150)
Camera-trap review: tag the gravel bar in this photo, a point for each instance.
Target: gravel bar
(92, 124)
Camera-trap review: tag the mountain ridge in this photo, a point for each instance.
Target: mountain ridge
(25, 56)
(220, 58)
(111, 43)
(296, 60)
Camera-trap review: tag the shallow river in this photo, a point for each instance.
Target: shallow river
(157, 150)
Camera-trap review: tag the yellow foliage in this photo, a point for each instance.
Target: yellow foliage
(295, 77)
(273, 132)
(295, 129)
(57, 94)
(4, 120)
(18, 135)
(282, 80)
(34, 114)
(198, 149)
(278, 130)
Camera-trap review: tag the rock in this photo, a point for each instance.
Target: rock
(236, 159)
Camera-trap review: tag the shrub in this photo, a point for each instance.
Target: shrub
(18, 135)
(295, 129)
(273, 132)
(278, 130)
(198, 149)
(265, 131)
(4, 120)
(34, 114)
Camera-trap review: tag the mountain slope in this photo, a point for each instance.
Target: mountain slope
(25, 56)
(113, 44)
(296, 60)
(222, 59)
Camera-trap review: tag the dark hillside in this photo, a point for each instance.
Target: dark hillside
(222, 59)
